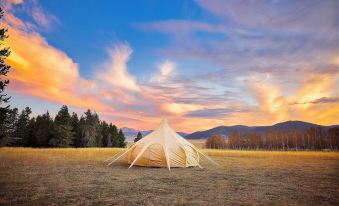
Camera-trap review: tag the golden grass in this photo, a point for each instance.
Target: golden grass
(99, 152)
(81, 177)
(256, 153)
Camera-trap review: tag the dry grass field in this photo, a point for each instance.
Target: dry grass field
(80, 177)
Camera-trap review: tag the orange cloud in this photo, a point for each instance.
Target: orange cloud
(319, 86)
(40, 70)
(314, 86)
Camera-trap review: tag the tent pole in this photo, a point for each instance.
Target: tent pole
(198, 150)
(208, 158)
(140, 153)
(167, 157)
(110, 158)
(121, 155)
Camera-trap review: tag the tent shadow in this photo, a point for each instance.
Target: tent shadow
(125, 165)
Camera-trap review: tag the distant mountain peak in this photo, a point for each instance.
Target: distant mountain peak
(226, 130)
(131, 133)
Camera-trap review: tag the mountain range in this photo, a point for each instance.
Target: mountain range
(131, 133)
(226, 130)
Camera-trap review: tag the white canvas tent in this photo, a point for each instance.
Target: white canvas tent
(163, 148)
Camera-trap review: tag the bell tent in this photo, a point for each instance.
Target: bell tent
(163, 148)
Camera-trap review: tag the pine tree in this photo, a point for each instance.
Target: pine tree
(63, 136)
(81, 139)
(9, 127)
(63, 129)
(4, 99)
(109, 140)
(12, 118)
(21, 131)
(75, 128)
(93, 127)
(97, 131)
(139, 137)
(89, 129)
(106, 137)
(113, 130)
(90, 133)
(32, 128)
(121, 139)
(44, 130)
(4, 68)
(63, 116)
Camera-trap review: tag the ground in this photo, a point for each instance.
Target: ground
(81, 177)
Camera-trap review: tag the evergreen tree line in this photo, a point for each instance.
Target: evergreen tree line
(65, 130)
(309, 139)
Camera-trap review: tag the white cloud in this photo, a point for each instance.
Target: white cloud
(115, 70)
(165, 70)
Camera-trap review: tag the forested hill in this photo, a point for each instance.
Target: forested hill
(283, 126)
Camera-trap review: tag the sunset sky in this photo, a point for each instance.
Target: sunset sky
(200, 64)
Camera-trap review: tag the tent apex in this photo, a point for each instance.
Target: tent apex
(164, 121)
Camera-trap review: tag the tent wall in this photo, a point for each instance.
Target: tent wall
(153, 156)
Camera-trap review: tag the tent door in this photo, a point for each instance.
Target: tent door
(156, 156)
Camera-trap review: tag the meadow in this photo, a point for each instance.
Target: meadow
(81, 177)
